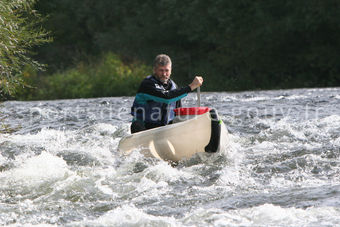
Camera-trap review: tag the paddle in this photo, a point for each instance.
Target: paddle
(199, 96)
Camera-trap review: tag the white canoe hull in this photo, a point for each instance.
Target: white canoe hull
(176, 141)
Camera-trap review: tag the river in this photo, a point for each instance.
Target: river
(60, 165)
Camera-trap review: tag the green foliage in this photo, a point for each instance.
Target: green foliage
(234, 44)
(107, 77)
(19, 32)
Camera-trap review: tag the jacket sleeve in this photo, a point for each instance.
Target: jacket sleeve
(157, 93)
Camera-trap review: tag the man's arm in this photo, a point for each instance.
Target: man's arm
(151, 91)
(150, 88)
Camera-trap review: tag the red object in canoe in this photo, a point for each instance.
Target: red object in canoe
(191, 111)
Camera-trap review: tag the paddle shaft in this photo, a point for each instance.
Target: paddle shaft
(199, 96)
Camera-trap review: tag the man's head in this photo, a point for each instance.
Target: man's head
(162, 67)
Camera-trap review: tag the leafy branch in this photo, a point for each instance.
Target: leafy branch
(20, 31)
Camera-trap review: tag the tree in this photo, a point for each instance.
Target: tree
(234, 44)
(20, 31)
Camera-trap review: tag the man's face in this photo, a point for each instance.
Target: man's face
(162, 73)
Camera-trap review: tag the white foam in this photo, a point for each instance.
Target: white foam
(43, 112)
(105, 129)
(151, 188)
(96, 144)
(332, 121)
(105, 174)
(265, 146)
(336, 142)
(234, 177)
(164, 172)
(2, 160)
(128, 215)
(265, 215)
(49, 138)
(32, 225)
(293, 97)
(155, 179)
(36, 170)
(283, 131)
(254, 99)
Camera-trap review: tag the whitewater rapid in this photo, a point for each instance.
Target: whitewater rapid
(59, 165)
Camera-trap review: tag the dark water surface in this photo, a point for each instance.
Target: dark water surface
(60, 166)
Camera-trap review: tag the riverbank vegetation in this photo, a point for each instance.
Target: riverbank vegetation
(107, 77)
(20, 31)
(235, 45)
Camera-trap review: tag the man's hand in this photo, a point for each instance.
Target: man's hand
(197, 82)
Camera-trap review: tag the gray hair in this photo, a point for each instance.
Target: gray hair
(162, 60)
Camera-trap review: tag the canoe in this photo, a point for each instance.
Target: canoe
(195, 129)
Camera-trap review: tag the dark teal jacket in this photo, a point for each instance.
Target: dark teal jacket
(155, 101)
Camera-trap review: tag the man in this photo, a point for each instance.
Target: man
(158, 96)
